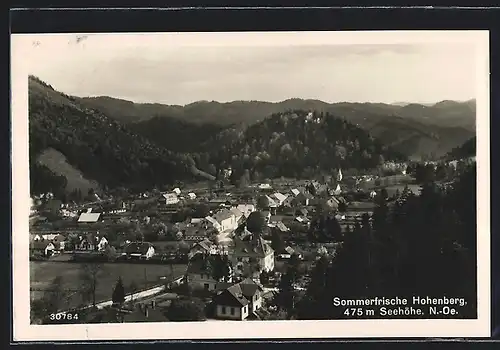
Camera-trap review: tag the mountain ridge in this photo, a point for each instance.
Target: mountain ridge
(224, 113)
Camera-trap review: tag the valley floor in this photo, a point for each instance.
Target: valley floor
(42, 273)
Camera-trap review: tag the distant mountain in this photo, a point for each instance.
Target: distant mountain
(296, 143)
(420, 130)
(444, 113)
(417, 139)
(100, 148)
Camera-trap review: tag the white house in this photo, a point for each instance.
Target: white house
(170, 198)
(279, 198)
(254, 250)
(226, 219)
(139, 250)
(238, 301)
(206, 247)
(246, 209)
(191, 195)
(47, 248)
(199, 275)
(237, 213)
(265, 186)
(339, 175)
(337, 190)
(211, 222)
(177, 191)
(103, 243)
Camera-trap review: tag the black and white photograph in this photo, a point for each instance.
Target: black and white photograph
(231, 185)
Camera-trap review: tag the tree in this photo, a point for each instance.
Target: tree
(192, 309)
(285, 298)
(201, 210)
(262, 203)
(221, 268)
(89, 278)
(110, 253)
(118, 296)
(139, 231)
(277, 242)
(342, 207)
(256, 222)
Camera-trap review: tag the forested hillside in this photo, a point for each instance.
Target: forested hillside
(418, 246)
(176, 135)
(112, 151)
(293, 144)
(466, 150)
(427, 131)
(99, 146)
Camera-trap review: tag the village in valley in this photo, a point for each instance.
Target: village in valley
(246, 182)
(200, 251)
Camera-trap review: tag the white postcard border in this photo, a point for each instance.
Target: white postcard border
(22, 329)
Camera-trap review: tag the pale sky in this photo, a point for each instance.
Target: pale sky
(163, 69)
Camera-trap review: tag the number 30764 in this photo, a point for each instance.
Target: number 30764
(64, 316)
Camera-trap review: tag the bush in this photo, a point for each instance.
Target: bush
(189, 309)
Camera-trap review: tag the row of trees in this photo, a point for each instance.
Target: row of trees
(442, 171)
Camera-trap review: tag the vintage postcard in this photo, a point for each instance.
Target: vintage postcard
(250, 185)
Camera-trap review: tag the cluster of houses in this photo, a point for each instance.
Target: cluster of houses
(175, 196)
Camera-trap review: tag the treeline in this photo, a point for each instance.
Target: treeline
(468, 149)
(419, 246)
(289, 144)
(441, 171)
(101, 148)
(44, 180)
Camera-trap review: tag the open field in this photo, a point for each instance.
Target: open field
(57, 162)
(143, 275)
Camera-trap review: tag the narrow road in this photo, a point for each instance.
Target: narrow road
(135, 296)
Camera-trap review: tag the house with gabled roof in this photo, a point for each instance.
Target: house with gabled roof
(237, 213)
(278, 226)
(194, 233)
(46, 248)
(89, 217)
(246, 209)
(207, 247)
(252, 250)
(238, 301)
(279, 198)
(139, 250)
(199, 274)
(226, 220)
(302, 199)
(170, 198)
